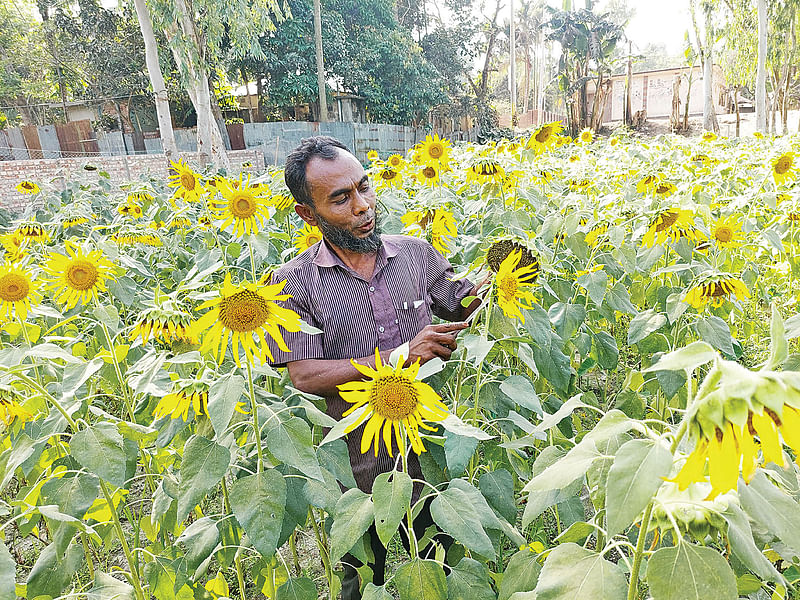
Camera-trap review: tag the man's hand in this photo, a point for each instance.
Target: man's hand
(435, 340)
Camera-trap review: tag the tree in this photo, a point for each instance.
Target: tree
(156, 80)
(705, 50)
(323, 101)
(761, 72)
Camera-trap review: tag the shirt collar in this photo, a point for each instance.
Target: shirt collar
(328, 258)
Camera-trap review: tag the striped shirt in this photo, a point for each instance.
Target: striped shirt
(411, 283)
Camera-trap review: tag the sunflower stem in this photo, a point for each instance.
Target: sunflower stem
(323, 549)
(256, 426)
(237, 561)
(28, 341)
(213, 230)
(137, 585)
(40, 388)
(252, 260)
(412, 538)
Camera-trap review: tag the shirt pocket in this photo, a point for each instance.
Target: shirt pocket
(413, 315)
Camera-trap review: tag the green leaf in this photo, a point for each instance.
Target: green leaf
(300, 588)
(643, 324)
(521, 391)
(573, 572)
(201, 538)
(8, 570)
(73, 495)
(778, 348)
(204, 464)
(744, 548)
(421, 580)
(469, 580)
(771, 507)
(553, 365)
(498, 489)
(336, 459)
(11, 458)
(392, 500)
(476, 347)
(595, 283)
(638, 471)
(99, 448)
(322, 494)
(716, 332)
(561, 474)
(604, 349)
(353, 516)
(458, 449)
(51, 574)
(455, 514)
(577, 532)
(619, 299)
(106, 587)
(687, 358)
(223, 395)
(566, 318)
(521, 574)
(689, 572)
(75, 375)
(373, 592)
(290, 441)
(259, 501)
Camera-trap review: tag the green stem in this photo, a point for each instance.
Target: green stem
(252, 260)
(412, 538)
(137, 586)
(87, 553)
(28, 341)
(39, 388)
(123, 385)
(323, 551)
(237, 561)
(256, 426)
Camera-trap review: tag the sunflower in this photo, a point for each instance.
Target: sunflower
(647, 184)
(14, 244)
(78, 276)
(282, 201)
(164, 321)
(613, 141)
(130, 209)
(709, 136)
(33, 231)
(391, 399)
(140, 197)
(242, 312)
(185, 181)
(176, 404)
(372, 156)
(727, 232)
(204, 222)
(782, 167)
(74, 221)
(544, 137)
(11, 409)
(670, 225)
(395, 161)
(434, 151)
(485, 170)
(307, 237)
(665, 188)
(429, 176)
(598, 236)
(27, 187)
(18, 291)
(586, 136)
(501, 249)
(513, 283)
(714, 290)
(389, 177)
(242, 205)
(179, 223)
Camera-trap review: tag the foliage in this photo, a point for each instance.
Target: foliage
(136, 464)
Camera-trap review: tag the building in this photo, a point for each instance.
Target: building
(652, 91)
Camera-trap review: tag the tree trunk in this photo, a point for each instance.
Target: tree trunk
(218, 117)
(157, 81)
(323, 99)
(709, 106)
(738, 117)
(210, 146)
(688, 98)
(761, 71)
(628, 80)
(512, 70)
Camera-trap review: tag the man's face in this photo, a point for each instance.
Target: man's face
(344, 203)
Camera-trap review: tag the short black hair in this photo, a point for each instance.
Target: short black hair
(321, 146)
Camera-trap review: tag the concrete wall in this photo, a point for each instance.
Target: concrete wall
(54, 173)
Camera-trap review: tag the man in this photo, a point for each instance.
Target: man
(364, 291)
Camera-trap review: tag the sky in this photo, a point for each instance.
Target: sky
(656, 21)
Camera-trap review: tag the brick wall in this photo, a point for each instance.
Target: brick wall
(53, 173)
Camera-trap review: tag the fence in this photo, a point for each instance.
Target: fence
(274, 140)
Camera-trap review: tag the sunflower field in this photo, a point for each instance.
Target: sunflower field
(621, 418)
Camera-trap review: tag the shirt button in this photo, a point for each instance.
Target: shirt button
(371, 289)
(380, 329)
(396, 321)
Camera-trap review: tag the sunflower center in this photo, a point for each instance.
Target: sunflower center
(663, 188)
(13, 287)
(508, 287)
(243, 311)
(723, 234)
(81, 274)
(429, 172)
(242, 206)
(188, 181)
(488, 168)
(543, 135)
(394, 397)
(27, 185)
(667, 220)
(436, 150)
(783, 164)
(388, 174)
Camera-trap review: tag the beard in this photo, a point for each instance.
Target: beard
(344, 238)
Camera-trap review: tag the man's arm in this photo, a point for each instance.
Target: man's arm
(479, 292)
(321, 376)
